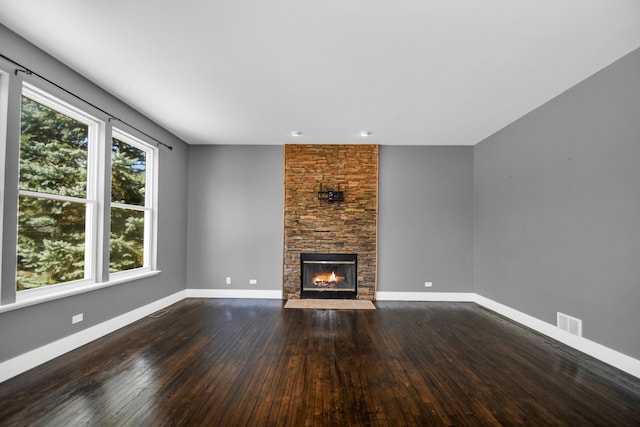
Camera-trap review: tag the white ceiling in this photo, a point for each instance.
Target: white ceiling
(413, 72)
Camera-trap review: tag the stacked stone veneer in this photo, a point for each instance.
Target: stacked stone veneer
(315, 226)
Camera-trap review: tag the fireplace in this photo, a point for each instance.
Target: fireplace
(328, 276)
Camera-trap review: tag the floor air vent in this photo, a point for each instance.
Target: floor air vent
(159, 313)
(569, 324)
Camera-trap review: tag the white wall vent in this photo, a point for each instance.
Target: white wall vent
(569, 324)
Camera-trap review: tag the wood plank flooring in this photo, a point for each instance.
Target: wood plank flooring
(252, 363)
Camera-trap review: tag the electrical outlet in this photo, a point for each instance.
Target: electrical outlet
(253, 282)
(77, 318)
(228, 280)
(428, 284)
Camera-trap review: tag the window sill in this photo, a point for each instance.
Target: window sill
(116, 279)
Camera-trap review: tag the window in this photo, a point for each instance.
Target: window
(63, 199)
(56, 207)
(131, 203)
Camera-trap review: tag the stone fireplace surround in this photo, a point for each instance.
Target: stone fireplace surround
(316, 226)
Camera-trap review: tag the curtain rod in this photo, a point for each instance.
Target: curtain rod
(29, 72)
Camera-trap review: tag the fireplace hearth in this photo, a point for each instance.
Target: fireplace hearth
(328, 276)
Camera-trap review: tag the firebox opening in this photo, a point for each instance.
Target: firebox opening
(328, 276)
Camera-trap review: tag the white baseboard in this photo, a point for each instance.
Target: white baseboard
(426, 296)
(234, 293)
(604, 354)
(22, 363)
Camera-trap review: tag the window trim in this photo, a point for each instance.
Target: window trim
(92, 192)
(98, 201)
(150, 201)
(68, 289)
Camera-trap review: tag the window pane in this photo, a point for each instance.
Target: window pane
(51, 237)
(127, 240)
(53, 151)
(128, 173)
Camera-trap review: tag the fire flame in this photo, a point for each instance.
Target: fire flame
(326, 279)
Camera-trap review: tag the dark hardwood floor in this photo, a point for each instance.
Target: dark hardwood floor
(253, 363)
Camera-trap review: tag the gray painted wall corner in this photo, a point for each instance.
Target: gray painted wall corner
(32, 327)
(557, 209)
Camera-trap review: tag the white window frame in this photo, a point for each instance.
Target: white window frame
(98, 199)
(93, 192)
(150, 203)
(4, 102)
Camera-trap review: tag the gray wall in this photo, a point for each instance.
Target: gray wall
(557, 209)
(25, 329)
(425, 222)
(235, 217)
(425, 219)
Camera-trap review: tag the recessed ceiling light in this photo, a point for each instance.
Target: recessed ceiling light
(296, 133)
(365, 133)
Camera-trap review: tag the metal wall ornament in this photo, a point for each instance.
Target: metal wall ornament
(330, 195)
